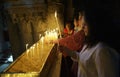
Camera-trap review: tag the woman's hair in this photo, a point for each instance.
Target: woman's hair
(101, 26)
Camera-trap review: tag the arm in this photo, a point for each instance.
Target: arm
(69, 52)
(73, 42)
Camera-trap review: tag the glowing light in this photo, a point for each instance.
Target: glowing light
(57, 24)
(26, 46)
(55, 14)
(51, 35)
(42, 40)
(39, 36)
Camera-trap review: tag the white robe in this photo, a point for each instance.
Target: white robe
(98, 61)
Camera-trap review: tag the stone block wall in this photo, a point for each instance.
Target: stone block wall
(26, 23)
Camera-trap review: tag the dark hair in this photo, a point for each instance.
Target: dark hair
(77, 14)
(71, 25)
(101, 26)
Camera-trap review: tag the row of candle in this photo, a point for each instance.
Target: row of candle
(35, 50)
(51, 35)
(38, 47)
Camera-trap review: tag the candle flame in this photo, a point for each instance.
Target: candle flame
(39, 36)
(34, 45)
(55, 14)
(27, 50)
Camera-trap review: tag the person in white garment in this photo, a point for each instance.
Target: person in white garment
(99, 56)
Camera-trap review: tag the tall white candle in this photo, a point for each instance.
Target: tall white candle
(33, 51)
(57, 24)
(42, 40)
(27, 53)
(39, 36)
(37, 49)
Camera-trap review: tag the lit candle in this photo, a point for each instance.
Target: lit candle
(33, 50)
(28, 53)
(57, 24)
(41, 46)
(56, 36)
(6, 75)
(34, 45)
(55, 14)
(42, 40)
(37, 49)
(39, 36)
(50, 36)
(26, 46)
(46, 36)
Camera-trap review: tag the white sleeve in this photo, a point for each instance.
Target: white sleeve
(106, 63)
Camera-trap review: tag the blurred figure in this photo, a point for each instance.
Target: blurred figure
(69, 29)
(78, 26)
(98, 57)
(78, 21)
(74, 42)
(66, 60)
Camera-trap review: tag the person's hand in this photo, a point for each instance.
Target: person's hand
(54, 41)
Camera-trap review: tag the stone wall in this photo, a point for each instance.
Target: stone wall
(26, 23)
(1, 33)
